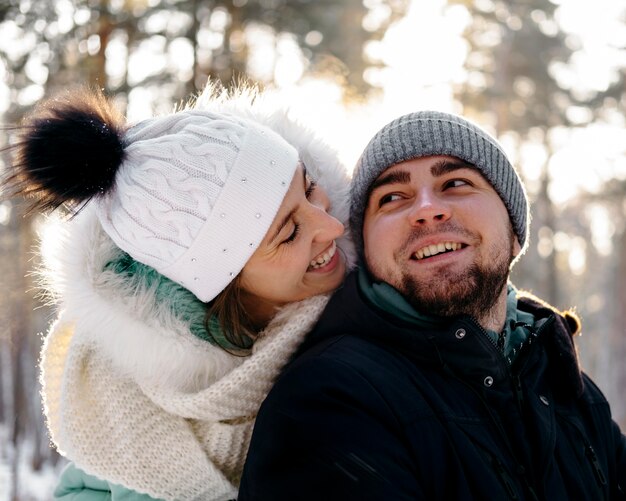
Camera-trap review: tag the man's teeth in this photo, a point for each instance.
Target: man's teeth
(433, 250)
(323, 259)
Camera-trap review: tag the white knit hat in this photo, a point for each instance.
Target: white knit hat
(196, 194)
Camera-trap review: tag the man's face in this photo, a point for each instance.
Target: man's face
(437, 231)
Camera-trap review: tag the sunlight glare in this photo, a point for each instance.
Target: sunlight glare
(139, 104)
(577, 258)
(601, 31)
(318, 103)
(30, 95)
(146, 60)
(262, 56)
(602, 228)
(116, 52)
(585, 158)
(289, 61)
(180, 58)
(65, 13)
(36, 70)
(5, 213)
(533, 157)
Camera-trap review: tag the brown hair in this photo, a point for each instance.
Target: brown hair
(227, 320)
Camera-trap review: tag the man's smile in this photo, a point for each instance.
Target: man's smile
(435, 249)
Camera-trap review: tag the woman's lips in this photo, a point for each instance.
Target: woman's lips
(326, 260)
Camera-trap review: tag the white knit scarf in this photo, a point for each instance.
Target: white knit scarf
(170, 444)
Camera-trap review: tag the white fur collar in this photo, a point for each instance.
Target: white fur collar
(140, 336)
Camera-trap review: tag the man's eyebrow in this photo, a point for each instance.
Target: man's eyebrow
(450, 165)
(440, 168)
(286, 219)
(395, 177)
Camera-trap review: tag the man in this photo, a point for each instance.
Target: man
(428, 376)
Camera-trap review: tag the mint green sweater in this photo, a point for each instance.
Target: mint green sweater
(76, 485)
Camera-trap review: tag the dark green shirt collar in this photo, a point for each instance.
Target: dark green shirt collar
(385, 297)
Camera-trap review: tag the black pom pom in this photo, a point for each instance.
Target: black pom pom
(69, 150)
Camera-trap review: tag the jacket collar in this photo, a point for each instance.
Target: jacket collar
(459, 345)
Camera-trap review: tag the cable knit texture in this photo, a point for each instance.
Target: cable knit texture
(187, 180)
(130, 394)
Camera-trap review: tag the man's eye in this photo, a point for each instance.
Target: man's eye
(392, 197)
(455, 183)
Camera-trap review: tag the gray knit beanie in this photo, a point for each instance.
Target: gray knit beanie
(428, 133)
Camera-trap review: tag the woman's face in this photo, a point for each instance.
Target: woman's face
(298, 257)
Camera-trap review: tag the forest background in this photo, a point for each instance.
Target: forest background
(546, 76)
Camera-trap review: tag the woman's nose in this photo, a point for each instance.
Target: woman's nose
(328, 227)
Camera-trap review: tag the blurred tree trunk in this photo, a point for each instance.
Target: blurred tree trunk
(96, 69)
(17, 313)
(4, 364)
(618, 343)
(236, 45)
(197, 80)
(544, 212)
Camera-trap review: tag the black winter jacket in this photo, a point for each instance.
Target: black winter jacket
(373, 409)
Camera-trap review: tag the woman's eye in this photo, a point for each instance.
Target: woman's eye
(294, 234)
(310, 189)
(392, 197)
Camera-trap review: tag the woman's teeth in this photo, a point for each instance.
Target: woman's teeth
(432, 250)
(323, 259)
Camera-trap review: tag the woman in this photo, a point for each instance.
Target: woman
(190, 236)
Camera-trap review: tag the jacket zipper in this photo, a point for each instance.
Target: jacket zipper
(504, 477)
(517, 386)
(484, 332)
(595, 464)
(590, 455)
(502, 433)
(516, 371)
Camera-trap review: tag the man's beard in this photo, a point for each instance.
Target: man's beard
(473, 291)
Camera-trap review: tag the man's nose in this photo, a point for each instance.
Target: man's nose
(428, 208)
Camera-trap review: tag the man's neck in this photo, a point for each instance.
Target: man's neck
(494, 318)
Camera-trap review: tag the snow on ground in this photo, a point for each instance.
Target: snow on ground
(31, 485)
